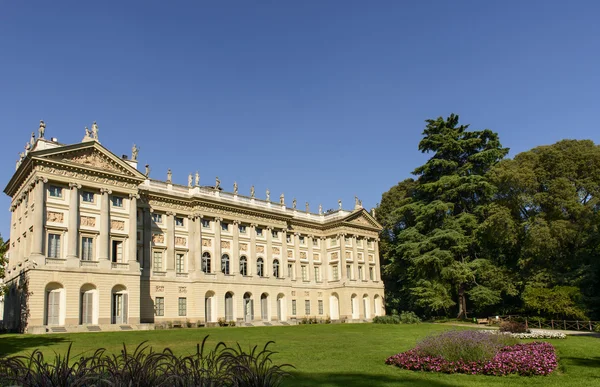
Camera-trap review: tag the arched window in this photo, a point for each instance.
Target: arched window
(259, 267)
(243, 266)
(276, 268)
(206, 262)
(225, 264)
(228, 306)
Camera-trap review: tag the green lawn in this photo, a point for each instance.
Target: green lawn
(330, 355)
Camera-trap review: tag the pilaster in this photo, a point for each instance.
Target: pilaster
(134, 264)
(39, 210)
(217, 260)
(104, 237)
(170, 241)
(73, 226)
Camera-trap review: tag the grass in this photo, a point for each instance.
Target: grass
(343, 355)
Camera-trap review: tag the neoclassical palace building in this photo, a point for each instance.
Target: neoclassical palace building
(95, 244)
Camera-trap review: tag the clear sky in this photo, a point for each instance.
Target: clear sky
(320, 100)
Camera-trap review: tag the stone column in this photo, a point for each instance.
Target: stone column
(198, 242)
(377, 263)
(132, 234)
(217, 259)
(252, 251)
(297, 268)
(235, 249)
(268, 268)
(191, 244)
(355, 257)
(39, 210)
(311, 265)
(104, 237)
(365, 259)
(170, 241)
(147, 239)
(283, 269)
(73, 225)
(342, 268)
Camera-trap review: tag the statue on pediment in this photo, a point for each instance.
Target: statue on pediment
(235, 188)
(294, 203)
(282, 199)
(340, 204)
(147, 170)
(217, 183)
(27, 147)
(268, 195)
(32, 140)
(197, 179)
(88, 135)
(134, 152)
(320, 209)
(42, 129)
(252, 192)
(307, 209)
(169, 176)
(95, 131)
(190, 180)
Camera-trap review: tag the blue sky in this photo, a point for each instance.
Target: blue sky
(317, 99)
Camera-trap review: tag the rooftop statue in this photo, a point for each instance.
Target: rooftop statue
(134, 152)
(95, 131)
(268, 195)
(147, 170)
(235, 188)
(32, 141)
(340, 204)
(217, 183)
(169, 176)
(281, 199)
(190, 180)
(252, 192)
(197, 179)
(294, 203)
(320, 209)
(42, 129)
(307, 207)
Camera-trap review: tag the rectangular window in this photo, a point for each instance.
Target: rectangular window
(116, 201)
(178, 221)
(182, 306)
(290, 271)
(87, 196)
(288, 238)
(224, 226)
(317, 273)
(320, 306)
(157, 261)
(302, 241)
(315, 242)
(304, 273)
(349, 271)
(205, 223)
(53, 245)
(55, 192)
(259, 232)
(275, 234)
(348, 241)
(360, 272)
(371, 274)
(179, 263)
(87, 249)
(370, 244)
(333, 242)
(242, 229)
(359, 242)
(156, 218)
(307, 307)
(334, 272)
(159, 306)
(117, 251)
(293, 307)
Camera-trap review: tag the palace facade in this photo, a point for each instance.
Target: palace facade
(95, 244)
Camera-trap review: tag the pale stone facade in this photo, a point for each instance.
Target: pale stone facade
(100, 244)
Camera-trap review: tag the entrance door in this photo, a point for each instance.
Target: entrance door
(87, 307)
(248, 310)
(279, 309)
(119, 315)
(53, 311)
(264, 304)
(208, 309)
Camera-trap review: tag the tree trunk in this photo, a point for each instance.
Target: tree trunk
(462, 302)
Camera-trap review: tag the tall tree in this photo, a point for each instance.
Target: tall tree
(3, 262)
(434, 230)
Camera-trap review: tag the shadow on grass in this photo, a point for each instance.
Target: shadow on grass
(358, 380)
(10, 344)
(584, 362)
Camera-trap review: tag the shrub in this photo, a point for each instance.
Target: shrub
(522, 359)
(464, 345)
(513, 327)
(403, 318)
(597, 327)
(532, 335)
(221, 366)
(232, 323)
(409, 318)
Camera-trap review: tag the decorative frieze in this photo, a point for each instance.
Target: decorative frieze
(334, 255)
(306, 293)
(371, 258)
(158, 238)
(348, 255)
(182, 289)
(316, 257)
(87, 221)
(225, 244)
(68, 172)
(360, 257)
(303, 255)
(180, 241)
(206, 242)
(275, 250)
(243, 247)
(260, 249)
(160, 288)
(290, 254)
(54, 217)
(117, 225)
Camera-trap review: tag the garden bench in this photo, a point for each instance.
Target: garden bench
(483, 321)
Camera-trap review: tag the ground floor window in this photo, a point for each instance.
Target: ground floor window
(320, 306)
(307, 307)
(182, 306)
(293, 307)
(159, 306)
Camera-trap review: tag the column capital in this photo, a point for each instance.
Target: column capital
(218, 219)
(236, 222)
(296, 233)
(322, 238)
(269, 228)
(151, 210)
(105, 191)
(170, 213)
(191, 217)
(41, 179)
(134, 196)
(254, 225)
(74, 185)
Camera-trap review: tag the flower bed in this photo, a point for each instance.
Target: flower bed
(532, 335)
(522, 359)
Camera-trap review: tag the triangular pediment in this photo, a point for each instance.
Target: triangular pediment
(90, 155)
(362, 218)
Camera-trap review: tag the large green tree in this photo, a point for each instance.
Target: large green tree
(431, 225)
(544, 227)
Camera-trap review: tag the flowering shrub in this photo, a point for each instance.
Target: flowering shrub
(532, 335)
(464, 345)
(522, 359)
(512, 327)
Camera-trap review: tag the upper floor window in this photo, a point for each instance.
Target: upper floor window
(87, 249)
(259, 232)
(315, 242)
(288, 238)
(55, 192)
(302, 241)
(243, 266)
(242, 229)
(275, 234)
(370, 244)
(334, 272)
(259, 267)
(53, 245)
(157, 261)
(224, 226)
(359, 242)
(206, 262)
(178, 221)
(180, 263)
(205, 223)
(157, 218)
(117, 201)
(348, 241)
(225, 264)
(371, 274)
(333, 241)
(87, 196)
(276, 268)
